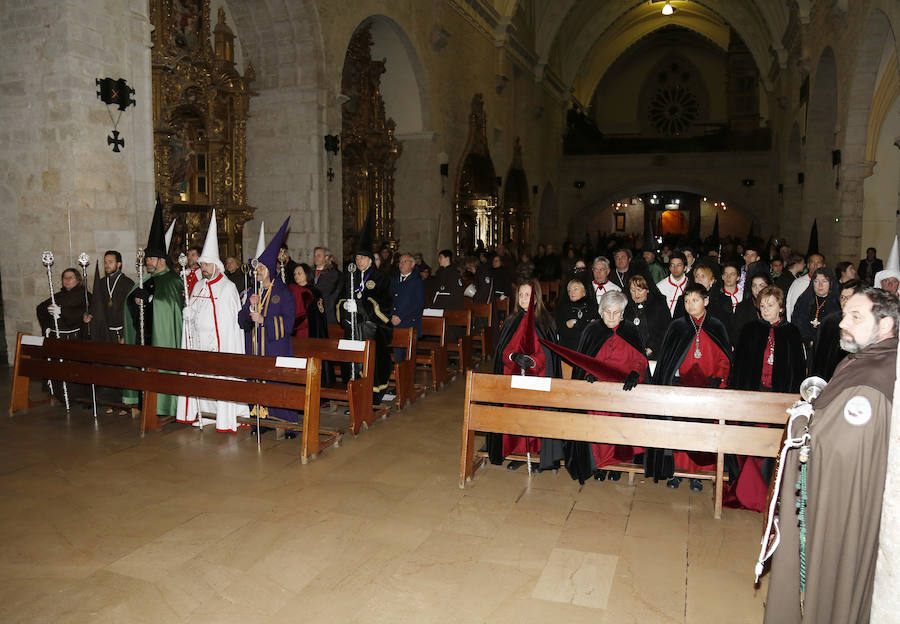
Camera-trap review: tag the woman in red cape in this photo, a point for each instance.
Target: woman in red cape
(518, 352)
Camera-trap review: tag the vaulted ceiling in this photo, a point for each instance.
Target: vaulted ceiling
(580, 39)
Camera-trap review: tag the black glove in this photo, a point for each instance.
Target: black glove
(590, 378)
(715, 382)
(522, 361)
(631, 381)
(142, 293)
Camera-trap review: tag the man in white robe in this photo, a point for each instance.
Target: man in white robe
(210, 324)
(672, 287)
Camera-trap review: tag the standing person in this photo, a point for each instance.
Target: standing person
(328, 281)
(69, 309)
(793, 266)
(162, 296)
(619, 348)
(731, 286)
(845, 271)
(889, 277)
(845, 473)
(768, 358)
(574, 313)
(801, 283)
(747, 310)
(309, 320)
(826, 351)
(267, 318)
(194, 274)
(108, 301)
(365, 314)
(672, 287)
(720, 302)
(601, 284)
(647, 311)
(408, 293)
(622, 272)
(695, 353)
(869, 266)
(449, 292)
(655, 270)
(519, 352)
(211, 324)
(820, 299)
(234, 273)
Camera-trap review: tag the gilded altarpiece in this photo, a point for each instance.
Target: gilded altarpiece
(200, 109)
(369, 148)
(477, 214)
(516, 224)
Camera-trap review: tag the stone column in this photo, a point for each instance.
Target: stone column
(886, 598)
(56, 168)
(853, 175)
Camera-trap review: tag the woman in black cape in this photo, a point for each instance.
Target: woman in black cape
(646, 310)
(573, 313)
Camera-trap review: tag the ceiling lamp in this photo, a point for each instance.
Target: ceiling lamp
(668, 9)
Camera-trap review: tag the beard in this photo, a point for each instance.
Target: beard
(851, 346)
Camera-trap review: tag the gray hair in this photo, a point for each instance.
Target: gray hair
(884, 305)
(614, 299)
(600, 260)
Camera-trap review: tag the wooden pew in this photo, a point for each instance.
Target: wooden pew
(484, 337)
(501, 309)
(358, 392)
(278, 382)
(719, 420)
(404, 373)
(431, 350)
(462, 348)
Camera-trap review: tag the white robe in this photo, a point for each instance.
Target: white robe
(602, 289)
(798, 286)
(672, 291)
(736, 297)
(211, 325)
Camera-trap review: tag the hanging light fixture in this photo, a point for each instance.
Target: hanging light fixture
(668, 9)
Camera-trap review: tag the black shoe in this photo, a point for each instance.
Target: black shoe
(673, 483)
(290, 435)
(614, 475)
(600, 475)
(514, 465)
(696, 485)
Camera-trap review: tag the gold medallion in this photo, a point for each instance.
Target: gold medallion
(370, 284)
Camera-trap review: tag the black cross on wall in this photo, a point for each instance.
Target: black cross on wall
(115, 141)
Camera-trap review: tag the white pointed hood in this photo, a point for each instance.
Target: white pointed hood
(261, 241)
(168, 236)
(210, 253)
(891, 267)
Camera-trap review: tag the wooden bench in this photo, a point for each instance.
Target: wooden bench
(404, 373)
(719, 420)
(431, 350)
(255, 380)
(483, 338)
(501, 310)
(462, 348)
(358, 392)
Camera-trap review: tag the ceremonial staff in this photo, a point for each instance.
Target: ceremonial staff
(47, 259)
(245, 268)
(351, 268)
(187, 328)
(254, 307)
(84, 260)
(140, 271)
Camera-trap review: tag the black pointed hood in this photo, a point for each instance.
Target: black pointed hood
(156, 241)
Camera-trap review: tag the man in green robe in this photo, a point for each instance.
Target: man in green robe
(162, 295)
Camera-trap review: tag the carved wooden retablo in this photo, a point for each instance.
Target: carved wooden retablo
(200, 110)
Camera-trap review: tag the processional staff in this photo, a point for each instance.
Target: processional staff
(257, 336)
(47, 259)
(351, 268)
(84, 261)
(140, 271)
(187, 328)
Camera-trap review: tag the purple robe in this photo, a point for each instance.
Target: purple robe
(273, 337)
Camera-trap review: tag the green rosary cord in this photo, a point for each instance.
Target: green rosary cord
(801, 515)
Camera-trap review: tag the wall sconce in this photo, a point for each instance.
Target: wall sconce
(332, 147)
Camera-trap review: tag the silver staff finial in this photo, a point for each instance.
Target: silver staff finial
(83, 259)
(47, 258)
(182, 260)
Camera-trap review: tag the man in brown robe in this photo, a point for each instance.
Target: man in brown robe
(849, 436)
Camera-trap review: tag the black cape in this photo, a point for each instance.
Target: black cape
(826, 351)
(582, 311)
(373, 322)
(789, 368)
(653, 321)
(579, 459)
(551, 450)
(107, 324)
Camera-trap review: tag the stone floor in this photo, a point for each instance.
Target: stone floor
(100, 525)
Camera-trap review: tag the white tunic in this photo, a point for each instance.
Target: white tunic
(602, 289)
(735, 296)
(672, 291)
(798, 286)
(211, 325)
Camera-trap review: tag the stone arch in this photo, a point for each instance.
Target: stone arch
(403, 82)
(820, 197)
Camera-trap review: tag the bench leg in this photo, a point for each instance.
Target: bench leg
(720, 477)
(467, 458)
(149, 420)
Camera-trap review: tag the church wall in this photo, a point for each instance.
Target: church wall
(56, 167)
(881, 189)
